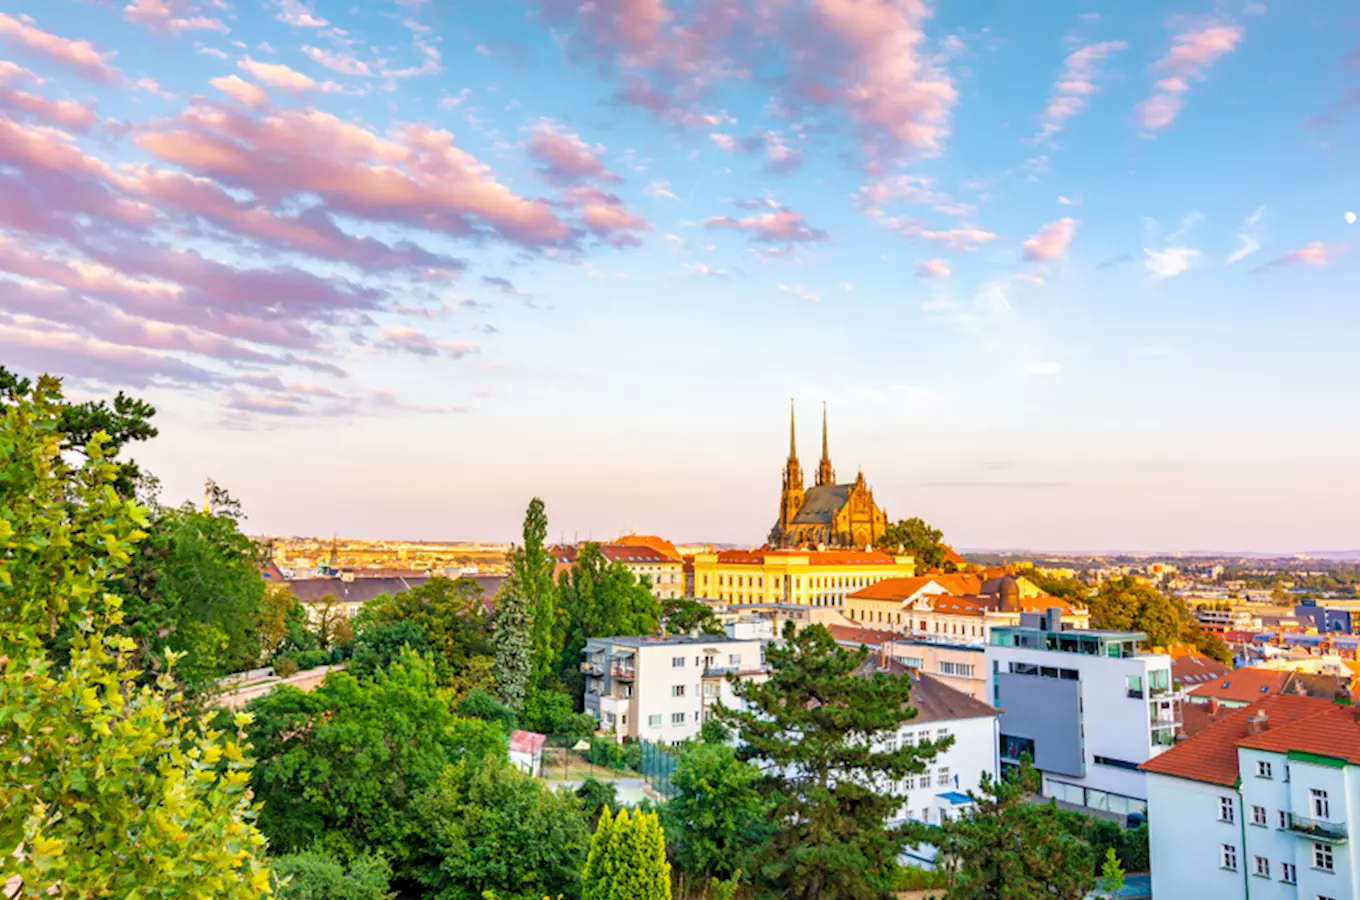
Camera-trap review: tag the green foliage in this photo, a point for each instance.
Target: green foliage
(600, 599)
(683, 615)
(914, 878)
(531, 568)
(1125, 604)
(512, 636)
(286, 666)
(283, 621)
(1004, 846)
(1069, 589)
(109, 790)
(549, 711)
(479, 704)
(812, 726)
(315, 876)
(718, 815)
(917, 538)
(596, 796)
(444, 616)
(492, 831)
(627, 859)
(341, 765)
(1129, 844)
(1111, 875)
(609, 754)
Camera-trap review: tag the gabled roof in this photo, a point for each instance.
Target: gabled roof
(1243, 685)
(933, 700)
(529, 742)
(650, 541)
(1190, 667)
(1333, 732)
(821, 503)
(851, 634)
(899, 589)
(1211, 755)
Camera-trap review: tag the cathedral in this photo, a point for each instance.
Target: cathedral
(830, 514)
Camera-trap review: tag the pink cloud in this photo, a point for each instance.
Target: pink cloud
(1075, 85)
(338, 62)
(80, 55)
(606, 216)
(60, 113)
(1313, 254)
(913, 190)
(933, 268)
(417, 176)
(277, 75)
(157, 17)
(1192, 54)
(240, 90)
(965, 237)
(780, 226)
(1051, 240)
(780, 158)
(408, 340)
(565, 157)
(40, 347)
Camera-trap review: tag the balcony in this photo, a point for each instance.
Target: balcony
(622, 673)
(1317, 829)
(593, 668)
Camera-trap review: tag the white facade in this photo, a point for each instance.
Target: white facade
(1283, 834)
(956, 770)
(662, 689)
(1088, 709)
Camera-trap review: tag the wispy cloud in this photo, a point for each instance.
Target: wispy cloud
(1248, 236)
(1050, 241)
(1313, 254)
(1191, 56)
(933, 268)
(1075, 86)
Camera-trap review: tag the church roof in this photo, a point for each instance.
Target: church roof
(821, 503)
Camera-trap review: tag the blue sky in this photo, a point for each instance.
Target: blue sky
(1068, 275)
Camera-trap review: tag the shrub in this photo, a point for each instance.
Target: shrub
(285, 666)
(315, 876)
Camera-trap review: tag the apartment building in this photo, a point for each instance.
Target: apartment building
(1085, 705)
(805, 577)
(662, 687)
(1259, 805)
(664, 572)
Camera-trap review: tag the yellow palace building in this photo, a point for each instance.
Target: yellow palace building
(808, 577)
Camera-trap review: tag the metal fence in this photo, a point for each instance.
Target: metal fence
(657, 768)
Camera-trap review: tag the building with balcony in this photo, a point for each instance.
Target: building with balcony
(1261, 805)
(1087, 706)
(663, 687)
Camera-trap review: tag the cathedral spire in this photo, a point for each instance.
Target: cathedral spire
(793, 444)
(825, 474)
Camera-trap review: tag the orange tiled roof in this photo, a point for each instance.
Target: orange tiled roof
(1192, 668)
(652, 541)
(1211, 755)
(1243, 685)
(814, 557)
(1334, 732)
(852, 634)
(899, 589)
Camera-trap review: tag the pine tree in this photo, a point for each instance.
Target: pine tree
(109, 791)
(816, 728)
(511, 634)
(598, 876)
(627, 859)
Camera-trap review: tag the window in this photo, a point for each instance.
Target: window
(1134, 684)
(1258, 815)
(710, 689)
(1225, 810)
(1321, 897)
(654, 721)
(678, 690)
(623, 719)
(677, 662)
(942, 779)
(1289, 873)
(734, 659)
(1321, 808)
(963, 670)
(1322, 857)
(677, 718)
(1263, 769)
(1230, 857)
(1260, 866)
(924, 779)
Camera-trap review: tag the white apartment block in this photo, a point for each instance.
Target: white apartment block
(1086, 706)
(1260, 805)
(663, 688)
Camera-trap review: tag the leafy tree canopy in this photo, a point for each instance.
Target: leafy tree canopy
(600, 599)
(316, 876)
(444, 616)
(917, 538)
(718, 815)
(684, 615)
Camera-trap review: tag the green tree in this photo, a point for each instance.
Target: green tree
(916, 538)
(718, 814)
(315, 876)
(489, 830)
(282, 615)
(684, 615)
(1125, 604)
(450, 618)
(1069, 589)
(109, 790)
(816, 728)
(479, 704)
(627, 859)
(1111, 875)
(596, 796)
(339, 767)
(531, 567)
(600, 599)
(1005, 847)
(329, 622)
(512, 627)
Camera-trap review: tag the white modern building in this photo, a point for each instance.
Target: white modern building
(663, 688)
(1087, 706)
(1259, 805)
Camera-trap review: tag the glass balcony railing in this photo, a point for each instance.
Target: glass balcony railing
(1317, 829)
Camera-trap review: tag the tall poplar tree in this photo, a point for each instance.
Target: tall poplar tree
(512, 637)
(532, 565)
(816, 730)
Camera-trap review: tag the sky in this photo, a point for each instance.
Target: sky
(1067, 275)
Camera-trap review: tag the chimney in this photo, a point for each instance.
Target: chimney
(1213, 706)
(1258, 723)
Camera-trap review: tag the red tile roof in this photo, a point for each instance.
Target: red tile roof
(651, 541)
(526, 742)
(851, 634)
(1334, 732)
(1243, 685)
(1189, 667)
(1211, 755)
(899, 589)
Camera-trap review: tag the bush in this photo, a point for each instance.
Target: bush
(596, 795)
(316, 876)
(285, 666)
(914, 878)
(626, 757)
(479, 704)
(1130, 844)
